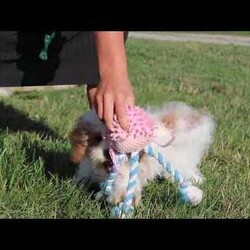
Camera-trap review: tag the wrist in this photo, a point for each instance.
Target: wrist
(111, 54)
(113, 72)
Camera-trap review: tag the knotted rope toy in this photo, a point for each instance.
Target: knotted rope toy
(126, 146)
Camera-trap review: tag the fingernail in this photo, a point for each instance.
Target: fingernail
(109, 126)
(125, 125)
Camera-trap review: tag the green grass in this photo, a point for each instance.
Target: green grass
(231, 33)
(214, 78)
(234, 33)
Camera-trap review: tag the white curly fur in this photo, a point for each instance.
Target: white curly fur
(193, 134)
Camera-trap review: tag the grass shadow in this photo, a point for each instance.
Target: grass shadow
(55, 163)
(15, 120)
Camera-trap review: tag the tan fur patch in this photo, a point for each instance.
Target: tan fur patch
(169, 121)
(78, 152)
(79, 145)
(195, 118)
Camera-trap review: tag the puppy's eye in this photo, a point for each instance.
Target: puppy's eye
(97, 139)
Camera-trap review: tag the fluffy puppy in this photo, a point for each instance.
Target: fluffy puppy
(192, 134)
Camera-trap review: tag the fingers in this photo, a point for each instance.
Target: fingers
(99, 106)
(110, 99)
(104, 106)
(108, 110)
(130, 100)
(107, 105)
(120, 110)
(91, 92)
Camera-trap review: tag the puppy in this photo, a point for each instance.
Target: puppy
(191, 135)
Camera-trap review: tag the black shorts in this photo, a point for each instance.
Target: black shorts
(71, 59)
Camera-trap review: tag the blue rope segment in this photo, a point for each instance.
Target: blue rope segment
(183, 185)
(134, 170)
(183, 188)
(106, 187)
(123, 210)
(109, 183)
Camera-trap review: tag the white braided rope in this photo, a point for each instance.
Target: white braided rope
(125, 209)
(188, 192)
(133, 174)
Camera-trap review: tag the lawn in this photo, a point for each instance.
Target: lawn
(35, 172)
(230, 33)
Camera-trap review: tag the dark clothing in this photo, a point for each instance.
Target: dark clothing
(71, 59)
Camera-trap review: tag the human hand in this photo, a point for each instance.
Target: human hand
(114, 91)
(112, 96)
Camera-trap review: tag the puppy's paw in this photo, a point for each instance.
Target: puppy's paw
(116, 197)
(99, 195)
(197, 178)
(137, 200)
(192, 195)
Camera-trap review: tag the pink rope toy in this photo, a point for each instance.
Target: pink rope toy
(127, 145)
(140, 132)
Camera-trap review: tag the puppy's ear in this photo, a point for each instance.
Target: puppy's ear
(190, 120)
(194, 119)
(79, 142)
(169, 120)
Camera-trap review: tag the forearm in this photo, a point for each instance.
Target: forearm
(111, 53)
(114, 92)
